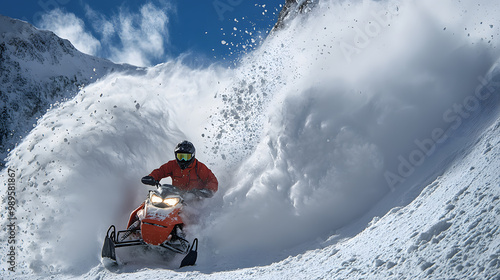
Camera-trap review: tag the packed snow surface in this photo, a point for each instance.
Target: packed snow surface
(360, 141)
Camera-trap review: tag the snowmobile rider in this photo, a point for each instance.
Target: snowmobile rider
(186, 171)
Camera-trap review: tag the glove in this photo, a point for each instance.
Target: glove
(149, 180)
(202, 193)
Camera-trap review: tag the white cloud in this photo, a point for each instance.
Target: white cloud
(138, 38)
(134, 38)
(68, 26)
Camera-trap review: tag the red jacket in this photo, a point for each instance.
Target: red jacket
(195, 176)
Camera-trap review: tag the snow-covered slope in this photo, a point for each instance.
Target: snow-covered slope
(345, 113)
(37, 69)
(450, 231)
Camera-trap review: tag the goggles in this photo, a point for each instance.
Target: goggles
(184, 156)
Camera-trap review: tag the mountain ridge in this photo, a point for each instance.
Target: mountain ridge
(37, 70)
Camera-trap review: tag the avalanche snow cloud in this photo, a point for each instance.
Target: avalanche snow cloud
(353, 101)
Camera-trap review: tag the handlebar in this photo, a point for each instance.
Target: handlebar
(148, 180)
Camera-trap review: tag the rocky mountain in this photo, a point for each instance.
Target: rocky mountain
(37, 70)
(291, 9)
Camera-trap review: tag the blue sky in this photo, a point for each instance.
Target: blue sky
(150, 32)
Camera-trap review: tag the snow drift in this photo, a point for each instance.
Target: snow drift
(356, 102)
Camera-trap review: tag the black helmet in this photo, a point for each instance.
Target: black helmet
(184, 153)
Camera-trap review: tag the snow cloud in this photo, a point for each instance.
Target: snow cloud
(69, 26)
(138, 38)
(364, 84)
(142, 37)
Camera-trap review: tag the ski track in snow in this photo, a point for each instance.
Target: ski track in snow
(300, 136)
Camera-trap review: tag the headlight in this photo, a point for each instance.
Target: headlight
(156, 199)
(170, 201)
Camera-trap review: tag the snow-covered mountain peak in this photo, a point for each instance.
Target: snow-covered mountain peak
(38, 69)
(23, 43)
(10, 25)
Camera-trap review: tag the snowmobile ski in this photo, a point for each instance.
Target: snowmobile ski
(108, 248)
(190, 258)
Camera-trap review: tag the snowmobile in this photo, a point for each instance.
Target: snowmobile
(155, 223)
